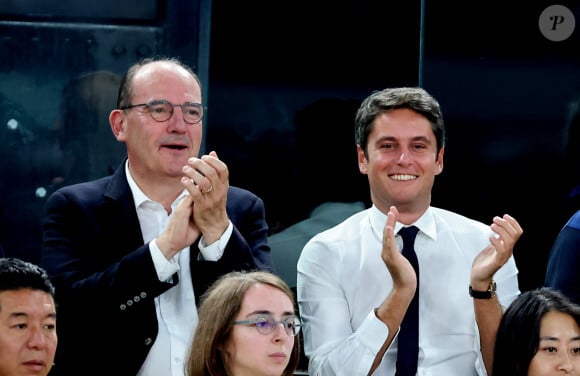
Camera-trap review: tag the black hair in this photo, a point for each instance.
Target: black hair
(518, 335)
(16, 274)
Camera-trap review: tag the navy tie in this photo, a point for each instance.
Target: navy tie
(408, 348)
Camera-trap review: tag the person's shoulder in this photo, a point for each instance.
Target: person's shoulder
(347, 228)
(574, 221)
(241, 200)
(237, 194)
(239, 191)
(338, 243)
(86, 185)
(337, 210)
(114, 182)
(83, 191)
(457, 220)
(324, 217)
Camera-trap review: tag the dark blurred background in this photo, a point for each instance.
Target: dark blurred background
(504, 74)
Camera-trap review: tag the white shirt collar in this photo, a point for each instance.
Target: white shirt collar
(138, 195)
(426, 223)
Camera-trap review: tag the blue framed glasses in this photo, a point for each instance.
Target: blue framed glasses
(266, 324)
(162, 110)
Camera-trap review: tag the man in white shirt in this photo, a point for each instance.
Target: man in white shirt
(354, 286)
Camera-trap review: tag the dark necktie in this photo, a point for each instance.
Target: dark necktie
(408, 347)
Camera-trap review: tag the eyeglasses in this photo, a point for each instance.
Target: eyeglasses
(267, 324)
(162, 110)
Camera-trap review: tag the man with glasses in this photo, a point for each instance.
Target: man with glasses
(130, 254)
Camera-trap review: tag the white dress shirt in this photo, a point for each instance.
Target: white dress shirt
(342, 278)
(176, 309)
(286, 245)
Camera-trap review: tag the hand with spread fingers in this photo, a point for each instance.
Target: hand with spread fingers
(507, 231)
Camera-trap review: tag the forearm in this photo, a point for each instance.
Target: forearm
(391, 313)
(488, 314)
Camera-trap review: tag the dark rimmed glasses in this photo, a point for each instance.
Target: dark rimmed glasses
(266, 324)
(162, 110)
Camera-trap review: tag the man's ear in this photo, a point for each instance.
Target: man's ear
(117, 121)
(440, 161)
(362, 160)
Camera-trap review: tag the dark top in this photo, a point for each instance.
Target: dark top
(564, 261)
(104, 275)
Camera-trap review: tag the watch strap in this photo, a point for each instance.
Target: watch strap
(487, 294)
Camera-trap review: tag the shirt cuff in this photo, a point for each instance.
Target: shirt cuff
(214, 251)
(165, 268)
(372, 332)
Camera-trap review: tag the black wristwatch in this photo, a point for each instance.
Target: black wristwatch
(488, 294)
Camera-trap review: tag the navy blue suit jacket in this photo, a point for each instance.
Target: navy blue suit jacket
(104, 276)
(564, 261)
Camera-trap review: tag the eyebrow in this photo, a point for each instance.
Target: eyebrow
(24, 314)
(413, 139)
(551, 338)
(266, 312)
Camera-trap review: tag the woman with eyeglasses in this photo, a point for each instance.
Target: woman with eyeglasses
(247, 326)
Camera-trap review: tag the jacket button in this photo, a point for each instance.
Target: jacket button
(148, 341)
(122, 307)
